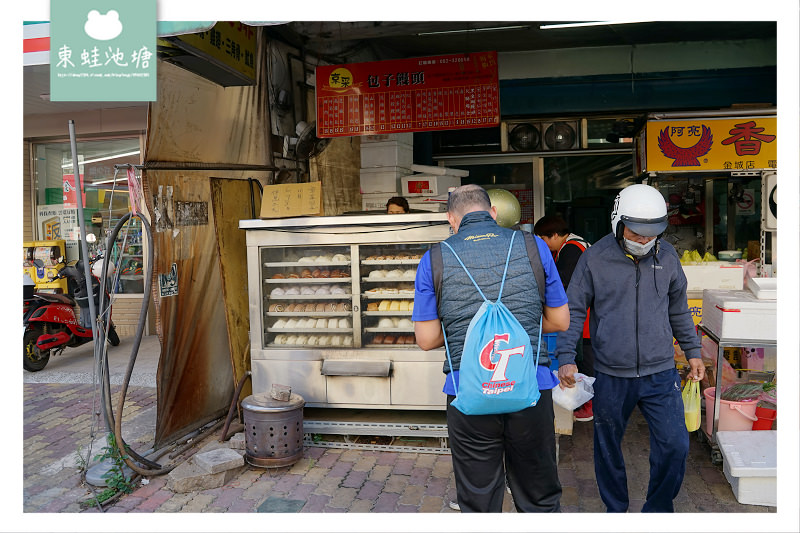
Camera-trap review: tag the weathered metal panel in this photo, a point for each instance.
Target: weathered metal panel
(195, 378)
(232, 200)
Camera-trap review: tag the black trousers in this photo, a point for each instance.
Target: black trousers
(524, 441)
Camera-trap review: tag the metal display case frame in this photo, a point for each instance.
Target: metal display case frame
(363, 375)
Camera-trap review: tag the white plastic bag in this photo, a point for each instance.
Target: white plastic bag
(572, 398)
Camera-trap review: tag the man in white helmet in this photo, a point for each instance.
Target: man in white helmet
(636, 289)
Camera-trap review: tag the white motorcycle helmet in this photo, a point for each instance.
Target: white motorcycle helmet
(97, 269)
(641, 209)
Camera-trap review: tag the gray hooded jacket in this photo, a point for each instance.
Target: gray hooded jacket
(637, 307)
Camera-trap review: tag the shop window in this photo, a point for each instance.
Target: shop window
(105, 200)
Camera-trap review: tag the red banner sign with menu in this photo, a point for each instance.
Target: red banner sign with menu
(419, 94)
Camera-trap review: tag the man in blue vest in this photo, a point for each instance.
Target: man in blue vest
(636, 288)
(481, 444)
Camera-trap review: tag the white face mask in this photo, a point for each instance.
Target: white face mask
(638, 250)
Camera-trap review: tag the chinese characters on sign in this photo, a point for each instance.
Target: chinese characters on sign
(734, 144)
(103, 51)
(420, 94)
(232, 43)
(137, 60)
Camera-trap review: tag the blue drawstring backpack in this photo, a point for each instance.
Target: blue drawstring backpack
(498, 370)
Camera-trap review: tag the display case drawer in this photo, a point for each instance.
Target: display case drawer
(304, 377)
(358, 390)
(418, 383)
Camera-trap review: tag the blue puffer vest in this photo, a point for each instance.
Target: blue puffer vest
(482, 245)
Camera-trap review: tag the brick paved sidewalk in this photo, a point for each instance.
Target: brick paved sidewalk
(58, 418)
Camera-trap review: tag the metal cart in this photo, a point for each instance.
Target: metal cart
(722, 343)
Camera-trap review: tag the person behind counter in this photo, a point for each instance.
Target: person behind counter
(397, 205)
(634, 283)
(523, 441)
(567, 249)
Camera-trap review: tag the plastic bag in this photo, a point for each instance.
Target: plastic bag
(572, 398)
(691, 405)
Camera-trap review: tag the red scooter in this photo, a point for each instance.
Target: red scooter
(51, 323)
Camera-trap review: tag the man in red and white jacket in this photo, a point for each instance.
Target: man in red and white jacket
(567, 248)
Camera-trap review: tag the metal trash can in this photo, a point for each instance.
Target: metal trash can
(273, 430)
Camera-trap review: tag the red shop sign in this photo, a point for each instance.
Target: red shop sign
(419, 94)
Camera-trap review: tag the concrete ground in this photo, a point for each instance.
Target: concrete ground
(61, 417)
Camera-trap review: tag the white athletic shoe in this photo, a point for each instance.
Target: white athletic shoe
(454, 506)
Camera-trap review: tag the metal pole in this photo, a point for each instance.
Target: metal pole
(99, 339)
(82, 224)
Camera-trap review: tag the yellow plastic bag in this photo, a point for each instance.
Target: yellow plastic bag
(691, 405)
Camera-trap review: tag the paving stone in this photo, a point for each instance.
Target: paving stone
(328, 486)
(188, 477)
(343, 498)
(219, 460)
(315, 503)
(419, 476)
(436, 487)
(412, 495)
(380, 472)
(365, 464)
(432, 504)
(287, 482)
(329, 458)
(569, 496)
(327, 480)
(396, 483)
(280, 505)
(259, 488)
(386, 503)
(315, 474)
(155, 501)
(237, 442)
(302, 466)
(403, 466)
(360, 506)
(370, 490)
(302, 491)
(227, 496)
(175, 503)
(341, 468)
(355, 479)
(197, 503)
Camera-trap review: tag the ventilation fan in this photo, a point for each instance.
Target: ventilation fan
(524, 137)
(560, 135)
(306, 145)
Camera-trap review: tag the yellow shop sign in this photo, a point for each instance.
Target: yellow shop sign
(729, 144)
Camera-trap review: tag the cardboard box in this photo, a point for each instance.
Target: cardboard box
(714, 275)
(750, 464)
(387, 154)
(440, 171)
(381, 179)
(404, 138)
(739, 315)
(763, 288)
(292, 200)
(427, 184)
(433, 207)
(375, 202)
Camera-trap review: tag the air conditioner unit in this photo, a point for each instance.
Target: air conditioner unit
(541, 135)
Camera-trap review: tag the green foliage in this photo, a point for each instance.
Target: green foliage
(743, 392)
(116, 481)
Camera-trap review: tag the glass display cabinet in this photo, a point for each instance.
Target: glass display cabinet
(330, 309)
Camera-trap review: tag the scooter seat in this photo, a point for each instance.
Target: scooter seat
(55, 298)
